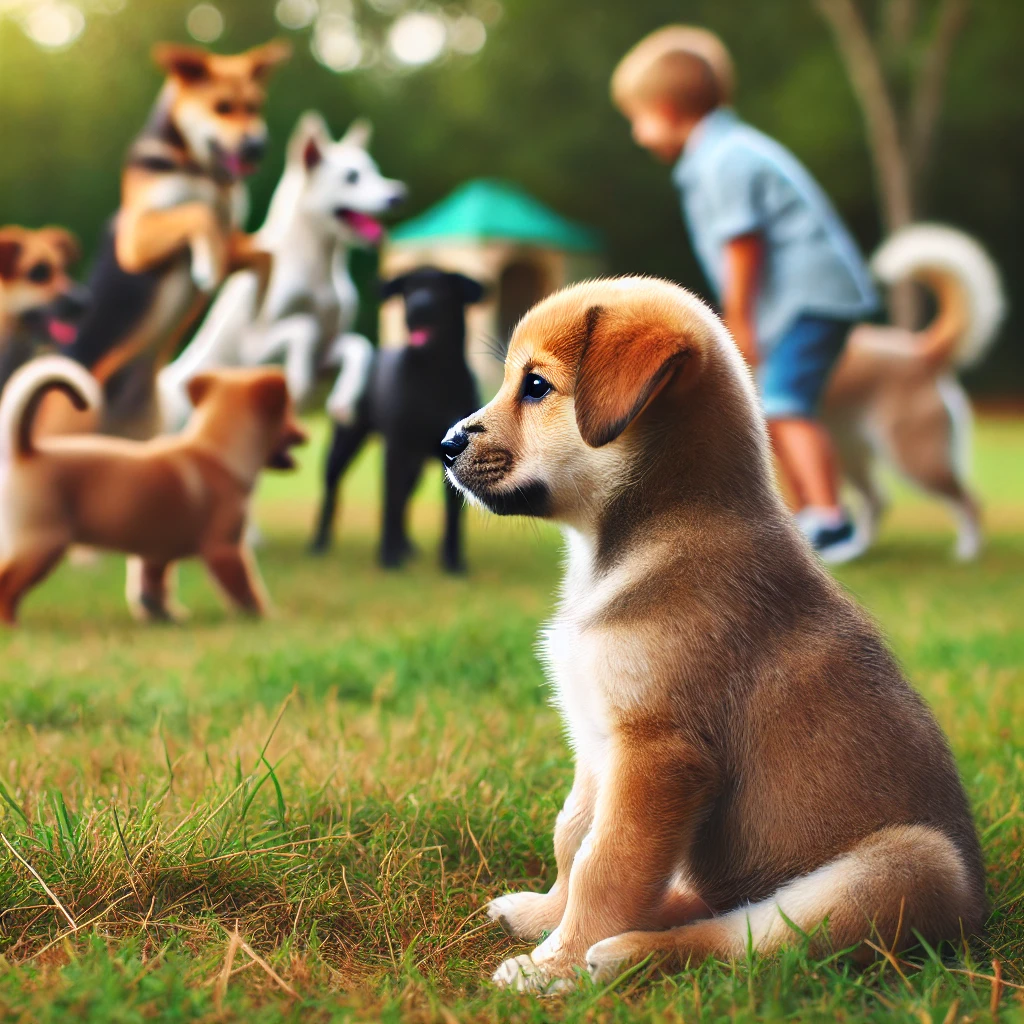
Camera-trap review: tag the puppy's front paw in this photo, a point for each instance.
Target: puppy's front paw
(523, 975)
(607, 959)
(208, 270)
(526, 915)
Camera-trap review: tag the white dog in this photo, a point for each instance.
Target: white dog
(326, 203)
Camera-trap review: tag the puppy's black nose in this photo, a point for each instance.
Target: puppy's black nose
(454, 444)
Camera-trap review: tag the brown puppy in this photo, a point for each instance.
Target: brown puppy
(747, 751)
(161, 500)
(38, 297)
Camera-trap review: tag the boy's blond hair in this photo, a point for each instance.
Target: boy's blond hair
(682, 65)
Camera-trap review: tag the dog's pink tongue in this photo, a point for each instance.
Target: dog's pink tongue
(419, 337)
(369, 228)
(63, 333)
(236, 166)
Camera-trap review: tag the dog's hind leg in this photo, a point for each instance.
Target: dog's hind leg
(22, 571)
(345, 445)
(401, 472)
(901, 882)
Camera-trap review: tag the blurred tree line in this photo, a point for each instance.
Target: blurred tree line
(533, 107)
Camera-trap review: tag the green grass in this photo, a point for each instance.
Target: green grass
(349, 782)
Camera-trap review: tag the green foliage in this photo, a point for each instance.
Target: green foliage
(533, 107)
(350, 781)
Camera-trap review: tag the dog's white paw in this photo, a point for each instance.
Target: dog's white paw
(207, 271)
(607, 959)
(523, 975)
(526, 915)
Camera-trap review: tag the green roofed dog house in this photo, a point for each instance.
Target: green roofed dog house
(497, 233)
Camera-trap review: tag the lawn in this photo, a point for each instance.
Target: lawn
(301, 819)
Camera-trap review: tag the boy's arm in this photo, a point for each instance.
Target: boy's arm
(742, 269)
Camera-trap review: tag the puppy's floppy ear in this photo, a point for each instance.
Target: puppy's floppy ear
(199, 387)
(186, 63)
(396, 286)
(263, 59)
(625, 360)
(358, 134)
(270, 393)
(66, 242)
(470, 291)
(10, 252)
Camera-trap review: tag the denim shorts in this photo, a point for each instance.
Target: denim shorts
(793, 374)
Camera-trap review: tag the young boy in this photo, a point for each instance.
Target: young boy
(789, 278)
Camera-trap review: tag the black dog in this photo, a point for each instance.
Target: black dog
(413, 395)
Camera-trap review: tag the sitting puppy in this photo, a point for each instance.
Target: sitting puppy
(160, 500)
(750, 761)
(411, 396)
(39, 302)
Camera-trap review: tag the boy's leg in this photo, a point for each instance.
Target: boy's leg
(809, 461)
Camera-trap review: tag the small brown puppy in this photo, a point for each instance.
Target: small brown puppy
(161, 500)
(748, 753)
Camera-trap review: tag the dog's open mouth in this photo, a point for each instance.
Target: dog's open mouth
(281, 457)
(60, 331)
(368, 228)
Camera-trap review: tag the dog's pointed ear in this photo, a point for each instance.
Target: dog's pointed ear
(470, 291)
(358, 134)
(270, 393)
(309, 139)
(10, 253)
(199, 387)
(66, 242)
(389, 289)
(186, 63)
(626, 359)
(264, 59)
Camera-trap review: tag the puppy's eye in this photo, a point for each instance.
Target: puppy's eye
(40, 273)
(224, 107)
(352, 177)
(535, 388)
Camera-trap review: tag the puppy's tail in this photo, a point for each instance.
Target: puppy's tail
(964, 280)
(27, 388)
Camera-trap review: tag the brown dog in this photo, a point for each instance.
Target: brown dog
(177, 234)
(39, 300)
(748, 753)
(161, 500)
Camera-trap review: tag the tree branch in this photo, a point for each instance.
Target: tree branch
(865, 71)
(930, 87)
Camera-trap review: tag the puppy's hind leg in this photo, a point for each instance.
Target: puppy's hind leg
(903, 881)
(401, 472)
(22, 571)
(345, 445)
(451, 547)
(234, 569)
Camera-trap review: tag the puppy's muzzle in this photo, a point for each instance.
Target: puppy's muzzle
(455, 442)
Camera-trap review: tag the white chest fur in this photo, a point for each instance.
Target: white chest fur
(595, 671)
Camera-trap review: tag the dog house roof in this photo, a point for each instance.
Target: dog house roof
(489, 210)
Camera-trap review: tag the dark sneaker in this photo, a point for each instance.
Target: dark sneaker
(835, 542)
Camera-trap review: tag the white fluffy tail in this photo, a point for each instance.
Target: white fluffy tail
(938, 255)
(26, 389)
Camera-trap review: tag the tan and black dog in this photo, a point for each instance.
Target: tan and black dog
(40, 303)
(750, 761)
(177, 233)
(160, 500)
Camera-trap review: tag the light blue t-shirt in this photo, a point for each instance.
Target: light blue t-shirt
(735, 180)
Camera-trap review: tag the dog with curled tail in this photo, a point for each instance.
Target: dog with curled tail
(751, 765)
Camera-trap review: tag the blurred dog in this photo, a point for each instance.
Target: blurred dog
(894, 396)
(411, 396)
(160, 500)
(327, 203)
(751, 765)
(39, 301)
(177, 232)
